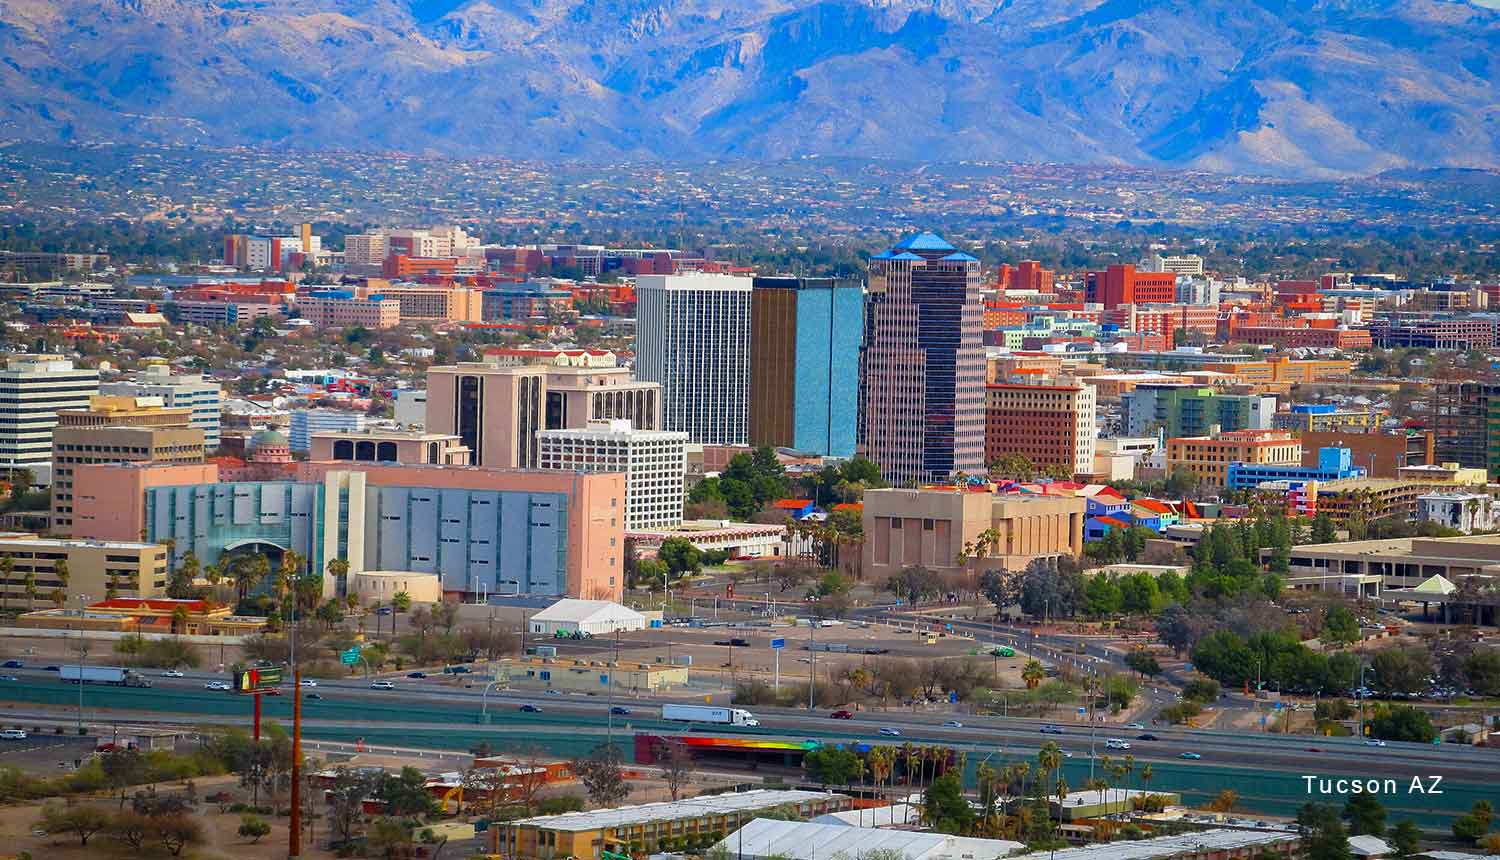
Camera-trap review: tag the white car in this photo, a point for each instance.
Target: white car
(308, 682)
(1140, 726)
(1374, 742)
(953, 724)
(174, 673)
(13, 735)
(382, 685)
(1117, 744)
(890, 732)
(217, 685)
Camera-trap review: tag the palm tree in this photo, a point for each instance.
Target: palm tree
(7, 568)
(1033, 674)
(285, 584)
(31, 591)
(179, 619)
(1128, 770)
(1049, 759)
(400, 602)
(60, 570)
(59, 597)
(337, 568)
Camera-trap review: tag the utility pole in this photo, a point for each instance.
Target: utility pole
(812, 674)
(294, 830)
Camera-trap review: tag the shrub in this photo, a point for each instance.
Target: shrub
(254, 828)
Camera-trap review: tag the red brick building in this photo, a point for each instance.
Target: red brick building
(1122, 285)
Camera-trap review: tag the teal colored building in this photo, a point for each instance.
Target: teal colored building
(804, 363)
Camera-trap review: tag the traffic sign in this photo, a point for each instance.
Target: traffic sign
(778, 643)
(350, 657)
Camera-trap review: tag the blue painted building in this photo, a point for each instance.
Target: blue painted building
(804, 363)
(1333, 463)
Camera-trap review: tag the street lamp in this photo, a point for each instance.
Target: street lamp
(83, 657)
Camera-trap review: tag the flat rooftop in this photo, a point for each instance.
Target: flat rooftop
(1201, 842)
(697, 807)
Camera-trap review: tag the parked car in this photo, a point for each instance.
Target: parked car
(842, 715)
(382, 685)
(530, 709)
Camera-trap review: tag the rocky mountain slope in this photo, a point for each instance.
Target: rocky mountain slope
(1292, 87)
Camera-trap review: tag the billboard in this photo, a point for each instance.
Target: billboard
(256, 679)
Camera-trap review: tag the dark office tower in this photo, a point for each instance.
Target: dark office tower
(922, 363)
(1465, 420)
(804, 363)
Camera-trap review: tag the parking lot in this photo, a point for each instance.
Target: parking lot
(41, 752)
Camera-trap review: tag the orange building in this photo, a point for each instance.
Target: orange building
(1209, 457)
(403, 266)
(1122, 285)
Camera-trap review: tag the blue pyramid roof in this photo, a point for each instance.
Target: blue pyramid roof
(883, 255)
(960, 257)
(904, 255)
(925, 242)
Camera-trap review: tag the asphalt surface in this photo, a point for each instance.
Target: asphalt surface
(585, 714)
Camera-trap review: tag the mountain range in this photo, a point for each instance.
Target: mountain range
(1309, 88)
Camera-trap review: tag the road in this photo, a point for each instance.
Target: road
(344, 703)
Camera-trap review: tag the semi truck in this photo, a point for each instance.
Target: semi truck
(707, 714)
(112, 675)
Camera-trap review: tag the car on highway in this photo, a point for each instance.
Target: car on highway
(1051, 730)
(174, 673)
(418, 675)
(1191, 756)
(1147, 737)
(217, 685)
(553, 692)
(529, 709)
(953, 724)
(890, 732)
(13, 735)
(620, 711)
(12, 664)
(9, 678)
(314, 695)
(382, 685)
(1374, 742)
(1315, 749)
(1117, 744)
(308, 682)
(841, 715)
(1140, 726)
(384, 610)
(51, 668)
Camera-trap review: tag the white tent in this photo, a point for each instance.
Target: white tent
(594, 617)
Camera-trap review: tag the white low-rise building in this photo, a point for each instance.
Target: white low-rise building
(766, 839)
(1467, 512)
(592, 617)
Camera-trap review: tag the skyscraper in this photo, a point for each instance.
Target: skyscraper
(32, 389)
(692, 335)
(922, 363)
(804, 363)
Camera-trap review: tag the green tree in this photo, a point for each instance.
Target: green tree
(78, 820)
(1323, 530)
(1366, 815)
(1474, 824)
(1340, 627)
(945, 808)
(400, 602)
(1401, 723)
(1406, 838)
(1482, 669)
(834, 766)
(680, 556)
(1103, 596)
(1323, 834)
(1139, 594)
(1143, 663)
(254, 828)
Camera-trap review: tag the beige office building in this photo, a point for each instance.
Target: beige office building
(495, 408)
(429, 303)
(117, 429)
(98, 569)
(931, 527)
(379, 445)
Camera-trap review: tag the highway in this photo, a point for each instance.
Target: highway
(344, 701)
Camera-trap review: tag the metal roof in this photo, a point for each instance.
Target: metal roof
(572, 609)
(799, 840)
(697, 807)
(925, 242)
(1200, 842)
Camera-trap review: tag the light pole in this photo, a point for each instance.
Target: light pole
(83, 657)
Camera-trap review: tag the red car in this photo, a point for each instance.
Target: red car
(842, 715)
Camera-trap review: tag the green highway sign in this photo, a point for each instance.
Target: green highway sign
(350, 657)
